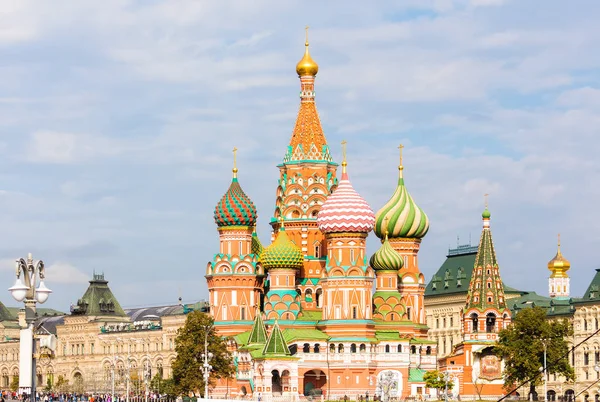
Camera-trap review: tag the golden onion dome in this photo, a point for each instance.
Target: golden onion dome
(559, 265)
(307, 66)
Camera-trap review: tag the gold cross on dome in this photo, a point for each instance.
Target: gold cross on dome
(234, 157)
(559, 240)
(306, 33)
(401, 147)
(344, 150)
(485, 197)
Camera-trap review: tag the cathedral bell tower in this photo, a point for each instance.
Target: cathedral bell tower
(485, 313)
(234, 276)
(306, 177)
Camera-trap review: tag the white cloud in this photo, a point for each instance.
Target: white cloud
(65, 273)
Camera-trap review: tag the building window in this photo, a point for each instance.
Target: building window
(243, 313)
(317, 251)
(92, 348)
(586, 359)
(306, 348)
(451, 322)
(437, 322)
(444, 322)
(399, 349)
(387, 348)
(408, 313)
(353, 348)
(316, 349)
(354, 313)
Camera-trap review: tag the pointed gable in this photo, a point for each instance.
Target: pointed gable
(258, 333)
(98, 300)
(5, 315)
(276, 345)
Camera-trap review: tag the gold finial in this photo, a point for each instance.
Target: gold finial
(344, 163)
(385, 222)
(235, 170)
(401, 167)
(282, 222)
(559, 242)
(485, 199)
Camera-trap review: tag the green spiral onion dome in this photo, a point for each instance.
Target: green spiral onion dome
(235, 208)
(256, 246)
(401, 216)
(386, 258)
(282, 253)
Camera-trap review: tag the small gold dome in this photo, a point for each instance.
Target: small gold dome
(307, 65)
(559, 265)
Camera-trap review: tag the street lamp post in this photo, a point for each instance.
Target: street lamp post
(206, 356)
(26, 290)
(545, 373)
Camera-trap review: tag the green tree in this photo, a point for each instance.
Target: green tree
(521, 345)
(189, 345)
(434, 379)
(14, 384)
(62, 384)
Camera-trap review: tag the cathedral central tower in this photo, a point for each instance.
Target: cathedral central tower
(307, 177)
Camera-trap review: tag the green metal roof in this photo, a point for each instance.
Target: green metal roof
(308, 334)
(593, 291)
(276, 345)
(415, 375)
(454, 275)
(98, 300)
(553, 307)
(310, 315)
(242, 338)
(387, 335)
(258, 333)
(5, 314)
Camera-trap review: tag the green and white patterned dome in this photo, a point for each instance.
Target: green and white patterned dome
(401, 217)
(386, 258)
(282, 253)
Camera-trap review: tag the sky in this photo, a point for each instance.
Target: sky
(118, 119)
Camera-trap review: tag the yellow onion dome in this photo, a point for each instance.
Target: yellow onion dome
(386, 258)
(401, 217)
(282, 253)
(559, 265)
(307, 66)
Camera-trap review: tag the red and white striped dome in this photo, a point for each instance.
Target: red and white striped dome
(345, 211)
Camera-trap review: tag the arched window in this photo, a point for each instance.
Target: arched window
(490, 322)
(413, 349)
(318, 297)
(308, 295)
(340, 348)
(362, 348)
(399, 350)
(387, 348)
(306, 348)
(317, 348)
(475, 322)
(428, 350)
(353, 348)
(332, 348)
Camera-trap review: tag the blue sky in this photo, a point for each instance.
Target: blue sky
(117, 120)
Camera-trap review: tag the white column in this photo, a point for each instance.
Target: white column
(25, 354)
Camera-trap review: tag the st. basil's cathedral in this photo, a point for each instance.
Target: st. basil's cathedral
(312, 313)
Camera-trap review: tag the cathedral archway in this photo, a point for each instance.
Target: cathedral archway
(315, 381)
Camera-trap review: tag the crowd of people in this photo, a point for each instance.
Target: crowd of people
(6, 396)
